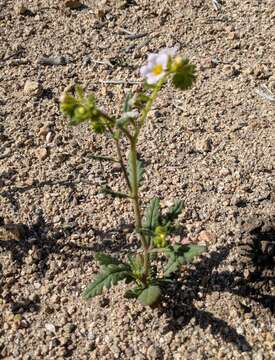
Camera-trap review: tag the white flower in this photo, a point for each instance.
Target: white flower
(157, 65)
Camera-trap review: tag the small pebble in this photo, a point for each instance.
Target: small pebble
(41, 153)
(50, 327)
(20, 8)
(32, 88)
(72, 4)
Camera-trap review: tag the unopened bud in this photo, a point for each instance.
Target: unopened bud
(177, 63)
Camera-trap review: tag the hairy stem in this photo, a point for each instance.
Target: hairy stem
(123, 168)
(150, 103)
(136, 205)
(135, 195)
(120, 159)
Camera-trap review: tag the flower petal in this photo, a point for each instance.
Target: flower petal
(153, 79)
(163, 60)
(169, 51)
(145, 70)
(152, 58)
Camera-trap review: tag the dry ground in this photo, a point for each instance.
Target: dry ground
(210, 146)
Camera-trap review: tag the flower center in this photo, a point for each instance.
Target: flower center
(157, 69)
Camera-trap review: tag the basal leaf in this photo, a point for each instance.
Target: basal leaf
(136, 263)
(172, 265)
(173, 213)
(191, 251)
(179, 255)
(110, 275)
(105, 260)
(150, 295)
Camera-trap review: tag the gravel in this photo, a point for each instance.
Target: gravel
(210, 146)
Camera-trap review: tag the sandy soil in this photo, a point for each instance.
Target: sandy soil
(210, 146)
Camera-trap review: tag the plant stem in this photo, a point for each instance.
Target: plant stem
(135, 197)
(150, 103)
(120, 159)
(123, 168)
(135, 186)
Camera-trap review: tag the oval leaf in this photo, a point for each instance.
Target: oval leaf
(150, 295)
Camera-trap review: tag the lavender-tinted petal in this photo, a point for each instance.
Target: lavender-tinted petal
(152, 58)
(163, 60)
(145, 70)
(169, 51)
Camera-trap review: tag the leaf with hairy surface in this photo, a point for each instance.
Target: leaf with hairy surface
(105, 260)
(151, 219)
(127, 103)
(179, 255)
(152, 213)
(150, 295)
(109, 276)
(185, 75)
(173, 213)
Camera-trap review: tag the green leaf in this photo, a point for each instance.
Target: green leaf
(98, 127)
(127, 102)
(185, 75)
(172, 265)
(136, 263)
(126, 118)
(116, 134)
(191, 251)
(68, 105)
(181, 255)
(110, 275)
(150, 295)
(158, 250)
(79, 92)
(105, 260)
(140, 170)
(173, 213)
(152, 213)
(115, 194)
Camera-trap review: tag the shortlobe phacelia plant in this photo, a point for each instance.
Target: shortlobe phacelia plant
(153, 228)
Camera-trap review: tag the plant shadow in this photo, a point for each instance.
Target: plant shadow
(46, 239)
(204, 279)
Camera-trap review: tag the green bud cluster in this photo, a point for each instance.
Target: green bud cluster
(160, 237)
(184, 73)
(80, 109)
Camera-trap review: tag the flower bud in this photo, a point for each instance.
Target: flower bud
(177, 64)
(80, 113)
(160, 237)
